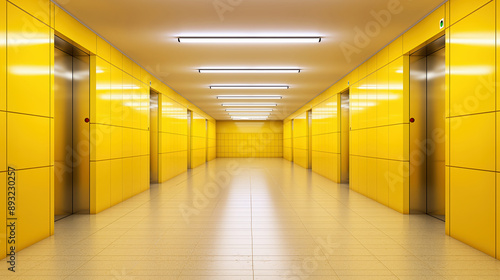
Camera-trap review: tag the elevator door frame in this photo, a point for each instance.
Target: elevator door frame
(79, 159)
(344, 136)
(422, 85)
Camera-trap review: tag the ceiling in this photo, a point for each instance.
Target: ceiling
(147, 32)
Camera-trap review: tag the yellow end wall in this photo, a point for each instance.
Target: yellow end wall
(379, 139)
(119, 127)
(249, 139)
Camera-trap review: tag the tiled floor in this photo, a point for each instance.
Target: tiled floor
(251, 219)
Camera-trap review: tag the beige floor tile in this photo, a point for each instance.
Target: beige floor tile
(270, 222)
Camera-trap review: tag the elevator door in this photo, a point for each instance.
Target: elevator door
(63, 134)
(154, 131)
(435, 133)
(427, 143)
(71, 130)
(344, 134)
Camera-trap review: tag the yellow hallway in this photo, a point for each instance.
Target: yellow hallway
(232, 139)
(251, 219)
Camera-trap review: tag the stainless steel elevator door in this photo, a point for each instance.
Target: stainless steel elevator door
(427, 133)
(435, 134)
(418, 134)
(344, 134)
(71, 131)
(154, 139)
(63, 134)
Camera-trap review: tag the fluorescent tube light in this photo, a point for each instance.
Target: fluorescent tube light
(249, 40)
(249, 70)
(270, 97)
(249, 110)
(249, 104)
(249, 114)
(248, 119)
(249, 87)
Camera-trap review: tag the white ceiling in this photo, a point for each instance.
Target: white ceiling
(147, 32)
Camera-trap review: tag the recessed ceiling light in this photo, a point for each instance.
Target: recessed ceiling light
(269, 97)
(249, 104)
(249, 87)
(249, 110)
(249, 40)
(249, 70)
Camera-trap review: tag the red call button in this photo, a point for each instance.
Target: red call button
(412, 120)
(87, 120)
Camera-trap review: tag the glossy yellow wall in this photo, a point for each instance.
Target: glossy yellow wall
(173, 138)
(287, 140)
(379, 112)
(212, 141)
(119, 115)
(300, 132)
(326, 138)
(198, 140)
(249, 139)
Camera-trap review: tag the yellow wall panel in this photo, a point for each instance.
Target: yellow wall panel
(472, 58)
(28, 68)
(22, 151)
(362, 175)
(396, 49)
(40, 9)
(382, 181)
(127, 142)
(103, 49)
(473, 225)
(116, 110)
(382, 96)
(100, 142)
(127, 178)
(3, 56)
(145, 173)
(128, 65)
(497, 215)
(426, 29)
(472, 141)
(128, 100)
(74, 30)
(116, 194)
(398, 102)
(399, 142)
(100, 103)
(382, 142)
(32, 211)
(398, 186)
(383, 57)
(461, 8)
(102, 189)
(3, 214)
(136, 175)
(371, 178)
(3, 141)
(117, 58)
(371, 146)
